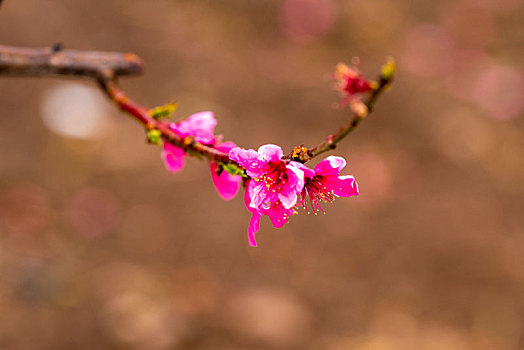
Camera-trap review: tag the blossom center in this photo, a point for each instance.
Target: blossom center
(356, 85)
(276, 175)
(316, 190)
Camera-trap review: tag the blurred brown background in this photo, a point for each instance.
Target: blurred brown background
(102, 248)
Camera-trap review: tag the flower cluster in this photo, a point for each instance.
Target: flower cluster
(278, 186)
(200, 128)
(275, 186)
(351, 84)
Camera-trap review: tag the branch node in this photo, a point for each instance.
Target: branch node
(56, 47)
(330, 142)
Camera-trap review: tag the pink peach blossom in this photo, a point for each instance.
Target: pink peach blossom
(274, 179)
(274, 187)
(351, 83)
(200, 126)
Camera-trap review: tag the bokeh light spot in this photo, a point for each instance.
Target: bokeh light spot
(462, 135)
(271, 316)
(138, 319)
(74, 110)
(94, 212)
(499, 90)
(467, 65)
(427, 51)
(304, 20)
(24, 209)
(469, 24)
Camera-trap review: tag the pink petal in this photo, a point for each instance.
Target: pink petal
(270, 153)
(288, 193)
(174, 157)
(225, 146)
(342, 186)
(332, 165)
(200, 125)
(227, 185)
(278, 215)
(254, 225)
(247, 196)
(307, 172)
(295, 176)
(261, 196)
(249, 159)
(348, 186)
(288, 197)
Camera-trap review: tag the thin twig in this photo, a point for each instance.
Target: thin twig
(106, 67)
(109, 86)
(332, 140)
(303, 154)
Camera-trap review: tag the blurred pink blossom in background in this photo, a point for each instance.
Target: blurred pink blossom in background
(94, 212)
(427, 51)
(304, 20)
(499, 90)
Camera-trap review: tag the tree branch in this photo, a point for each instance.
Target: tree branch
(39, 62)
(303, 154)
(143, 115)
(332, 140)
(105, 67)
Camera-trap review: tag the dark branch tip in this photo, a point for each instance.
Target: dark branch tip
(57, 47)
